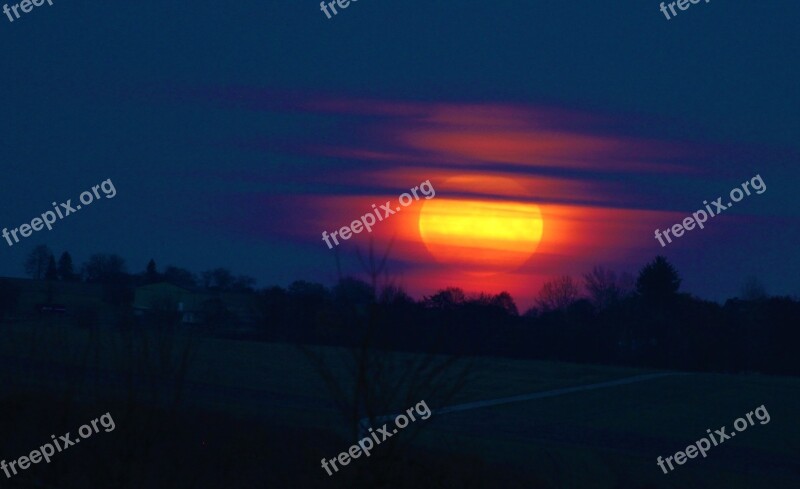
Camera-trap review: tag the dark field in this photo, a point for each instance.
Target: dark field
(255, 412)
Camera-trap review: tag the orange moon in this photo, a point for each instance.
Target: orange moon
(480, 235)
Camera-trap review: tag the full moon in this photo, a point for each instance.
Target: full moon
(480, 236)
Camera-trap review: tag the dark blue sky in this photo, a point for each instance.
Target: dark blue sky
(206, 116)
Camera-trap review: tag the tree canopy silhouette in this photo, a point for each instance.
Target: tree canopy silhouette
(658, 281)
(66, 270)
(558, 294)
(103, 268)
(36, 264)
(151, 274)
(52, 271)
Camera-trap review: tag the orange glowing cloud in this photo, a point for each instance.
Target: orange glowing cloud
(475, 134)
(522, 193)
(490, 238)
(511, 146)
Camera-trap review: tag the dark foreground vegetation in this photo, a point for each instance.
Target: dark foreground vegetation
(164, 449)
(606, 319)
(653, 325)
(78, 344)
(55, 377)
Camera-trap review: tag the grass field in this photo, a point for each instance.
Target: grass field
(605, 438)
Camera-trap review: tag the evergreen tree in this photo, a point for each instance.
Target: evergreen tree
(52, 272)
(36, 264)
(151, 274)
(658, 281)
(66, 271)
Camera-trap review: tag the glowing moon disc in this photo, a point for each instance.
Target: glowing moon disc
(481, 236)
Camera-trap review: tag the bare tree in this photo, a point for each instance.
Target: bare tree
(558, 293)
(604, 287)
(180, 277)
(368, 383)
(52, 271)
(37, 261)
(103, 268)
(373, 266)
(448, 298)
(503, 300)
(218, 279)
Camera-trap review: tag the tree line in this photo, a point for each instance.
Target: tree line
(606, 318)
(603, 318)
(102, 268)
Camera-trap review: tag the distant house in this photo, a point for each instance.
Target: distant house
(233, 309)
(164, 296)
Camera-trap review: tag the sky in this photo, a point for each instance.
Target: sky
(236, 133)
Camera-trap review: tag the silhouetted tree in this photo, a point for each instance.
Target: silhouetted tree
(448, 298)
(505, 302)
(151, 273)
(65, 269)
(394, 295)
(52, 271)
(243, 283)
(376, 381)
(558, 294)
(309, 293)
(218, 279)
(37, 261)
(658, 281)
(180, 277)
(604, 287)
(104, 268)
(372, 265)
(352, 291)
(502, 301)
